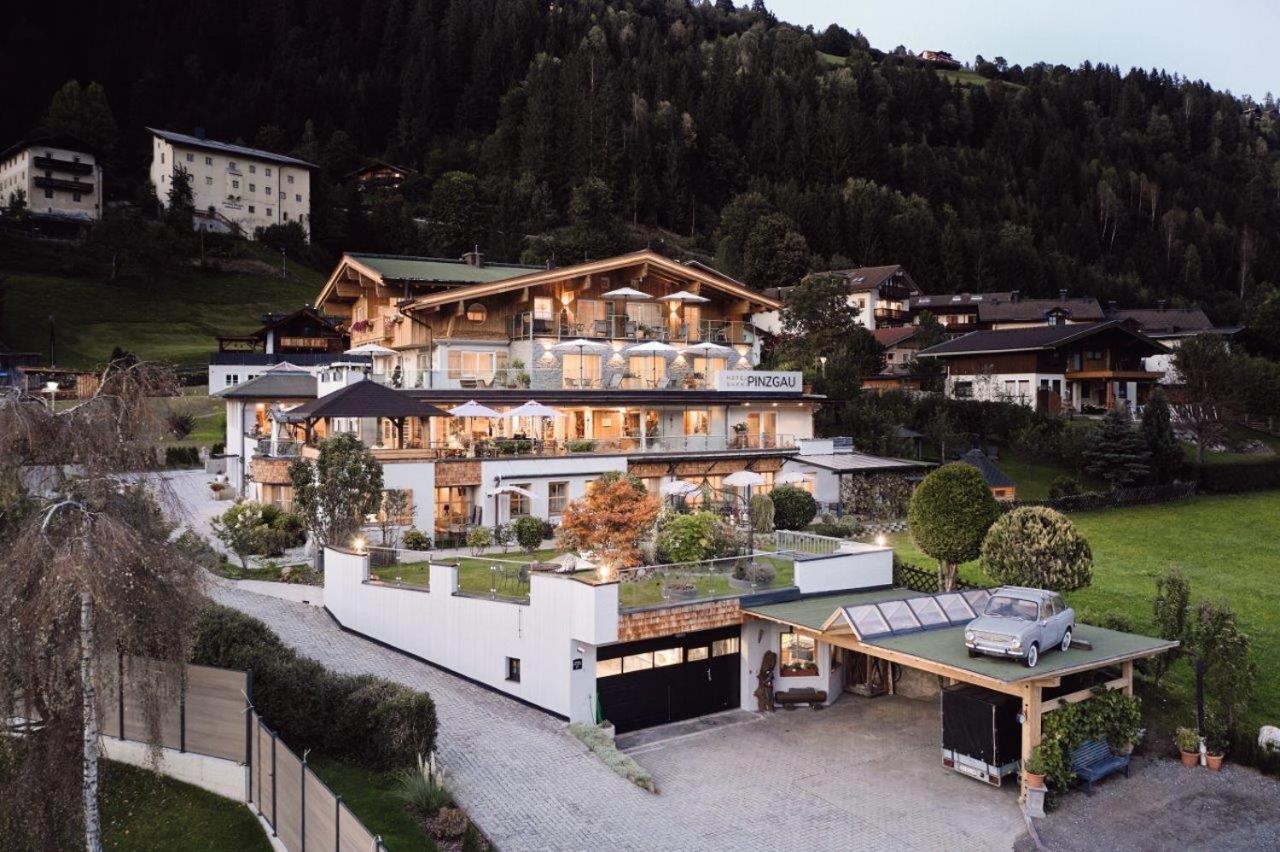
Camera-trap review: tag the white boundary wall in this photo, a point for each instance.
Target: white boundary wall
(562, 623)
(215, 774)
(856, 566)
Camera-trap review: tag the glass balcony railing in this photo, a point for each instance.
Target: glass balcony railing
(527, 326)
(494, 448)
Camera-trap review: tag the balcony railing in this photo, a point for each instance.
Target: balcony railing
(283, 448)
(526, 326)
(496, 448)
(541, 379)
(684, 582)
(54, 164)
(64, 185)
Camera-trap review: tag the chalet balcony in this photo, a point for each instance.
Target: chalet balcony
(64, 185)
(631, 445)
(892, 315)
(544, 379)
(54, 164)
(526, 326)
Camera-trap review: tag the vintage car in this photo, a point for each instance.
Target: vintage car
(1021, 623)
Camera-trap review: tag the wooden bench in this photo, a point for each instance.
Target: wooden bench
(793, 698)
(1094, 760)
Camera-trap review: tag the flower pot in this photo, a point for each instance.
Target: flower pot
(1189, 758)
(1034, 780)
(1214, 761)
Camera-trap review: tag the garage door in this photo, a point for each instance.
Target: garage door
(665, 680)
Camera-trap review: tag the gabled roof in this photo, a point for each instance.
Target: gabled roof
(270, 321)
(273, 384)
(228, 148)
(859, 463)
(543, 276)
(403, 269)
(59, 140)
(1162, 321)
(1036, 338)
(997, 309)
(890, 337)
(366, 398)
(991, 473)
(864, 278)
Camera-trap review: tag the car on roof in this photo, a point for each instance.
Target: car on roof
(1021, 623)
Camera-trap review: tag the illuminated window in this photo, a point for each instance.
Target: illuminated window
(557, 497)
(721, 647)
(799, 655)
(609, 668)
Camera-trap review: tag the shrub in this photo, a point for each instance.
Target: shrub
(416, 539)
(580, 446)
(950, 513)
(688, 538)
(181, 456)
(793, 508)
(502, 536)
(379, 724)
(478, 538)
(1037, 547)
(528, 532)
(237, 528)
(1239, 476)
(762, 513)
(199, 551)
(880, 497)
(607, 750)
(756, 573)
(450, 823)
(180, 424)
(423, 789)
(1063, 486)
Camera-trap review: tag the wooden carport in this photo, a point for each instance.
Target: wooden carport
(942, 652)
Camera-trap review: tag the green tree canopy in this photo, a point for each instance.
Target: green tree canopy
(1167, 458)
(334, 493)
(949, 516)
(1117, 451)
(1037, 547)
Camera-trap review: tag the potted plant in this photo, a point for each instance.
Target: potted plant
(1188, 742)
(1037, 768)
(1215, 742)
(679, 588)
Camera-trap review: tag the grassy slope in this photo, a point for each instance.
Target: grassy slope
(144, 811)
(371, 797)
(1229, 547)
(172, 321)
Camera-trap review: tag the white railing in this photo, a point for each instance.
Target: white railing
(802, 542)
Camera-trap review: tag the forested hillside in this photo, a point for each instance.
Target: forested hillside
(554, 130)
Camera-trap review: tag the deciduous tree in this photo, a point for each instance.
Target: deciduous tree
(334, 493)
(1210, 390)
(611, 521)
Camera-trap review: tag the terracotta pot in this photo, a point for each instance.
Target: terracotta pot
(1189, 758)
(1034, 780)
(1214, 761)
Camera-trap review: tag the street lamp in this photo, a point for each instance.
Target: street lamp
(51, 388)
(822, 360)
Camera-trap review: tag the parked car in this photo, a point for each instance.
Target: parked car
(1021, 623)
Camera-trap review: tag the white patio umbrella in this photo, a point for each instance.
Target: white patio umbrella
(533, 408)
(683, 296)
(747, 479)
(472, 409)
(652, 349)
(680, 488)
(710, 350)
(370, 349)
(580, 346)
(626, 294)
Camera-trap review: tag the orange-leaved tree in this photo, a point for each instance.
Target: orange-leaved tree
(611, 520)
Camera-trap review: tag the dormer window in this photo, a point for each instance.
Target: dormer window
(477, 312)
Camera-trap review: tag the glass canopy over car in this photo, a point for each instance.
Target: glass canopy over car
(910, 615)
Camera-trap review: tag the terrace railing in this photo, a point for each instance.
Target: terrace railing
(680, 582)
(493, 448)
(526, 326)
(802, 542)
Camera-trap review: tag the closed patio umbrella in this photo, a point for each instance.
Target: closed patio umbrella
(747, 479)
(580, 346)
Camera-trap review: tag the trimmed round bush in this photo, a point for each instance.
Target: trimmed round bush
(415, 539)
(793, 508)
(950, 513)
(528, 531)
(688, 538)
(1038, 547)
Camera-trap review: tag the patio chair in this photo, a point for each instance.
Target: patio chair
(602, 328)
(467, 383)
(615, 381)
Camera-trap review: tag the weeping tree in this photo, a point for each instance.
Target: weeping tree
(89, 568)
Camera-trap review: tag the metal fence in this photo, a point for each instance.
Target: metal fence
(803, 542)
(214, 716)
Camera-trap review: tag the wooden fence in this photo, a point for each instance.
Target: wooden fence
(214, 716)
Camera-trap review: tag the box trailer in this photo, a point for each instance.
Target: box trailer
(981, 733)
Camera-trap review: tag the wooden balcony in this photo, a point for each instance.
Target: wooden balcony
(1115, 375)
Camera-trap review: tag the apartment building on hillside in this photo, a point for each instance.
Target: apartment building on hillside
(59, 178)
(880, 294)
(233, 187)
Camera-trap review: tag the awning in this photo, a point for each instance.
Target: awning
(365, 398)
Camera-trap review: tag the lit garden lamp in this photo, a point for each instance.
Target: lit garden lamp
(746, 479)
(359, 545)
(51, 388)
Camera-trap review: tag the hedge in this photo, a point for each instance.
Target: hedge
(1239, 476)
(375, 722)
(1140, 495)
(181, 456)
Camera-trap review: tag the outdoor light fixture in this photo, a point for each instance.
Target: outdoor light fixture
(357, 544)
(50, 387)
(881, 540)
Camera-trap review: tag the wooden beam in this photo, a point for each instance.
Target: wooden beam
(912, 661)
(1126, 675)
(1080, 695)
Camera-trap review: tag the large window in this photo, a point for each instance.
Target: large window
(721, 647)
(799, 655)
(557, 497)
(518, 503)
(542, 308)
(582, 370)
(963, 390)
(651, 370)
(453, 507)
(697, 421)
(465, 364)
(646, 316)
(708, 368)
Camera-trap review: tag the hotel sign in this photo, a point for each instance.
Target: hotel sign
(760, 381)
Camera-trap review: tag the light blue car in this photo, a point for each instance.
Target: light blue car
(1021, 623)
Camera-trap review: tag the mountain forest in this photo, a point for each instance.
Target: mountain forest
(554, 131)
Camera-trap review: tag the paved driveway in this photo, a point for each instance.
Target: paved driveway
(862, 774)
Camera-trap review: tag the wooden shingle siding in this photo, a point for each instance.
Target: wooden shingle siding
(666, 621)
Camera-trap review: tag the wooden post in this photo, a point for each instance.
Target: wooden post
(1126, 669)
(1031, 733)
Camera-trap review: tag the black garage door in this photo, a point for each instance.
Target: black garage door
(665, 680)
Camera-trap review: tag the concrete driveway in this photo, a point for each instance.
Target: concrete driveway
(863, 773)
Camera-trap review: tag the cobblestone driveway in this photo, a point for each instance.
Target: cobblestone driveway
(860, 775)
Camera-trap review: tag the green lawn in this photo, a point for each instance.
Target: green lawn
(170, 321)
(371, 797)
(1229, 548)
(1034, 476)
(1237, 432)
(144, 811)
(475, 577)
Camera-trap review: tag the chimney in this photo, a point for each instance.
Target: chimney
(1015, 295)
(199, 133)
(1160, 303)
(473, 257)
(1062, 295)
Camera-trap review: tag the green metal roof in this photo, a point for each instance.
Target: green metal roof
(946, 646)
(814, 611)
(436, 270)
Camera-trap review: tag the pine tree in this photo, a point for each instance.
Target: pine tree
(1167, 458)
(1118, 453)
